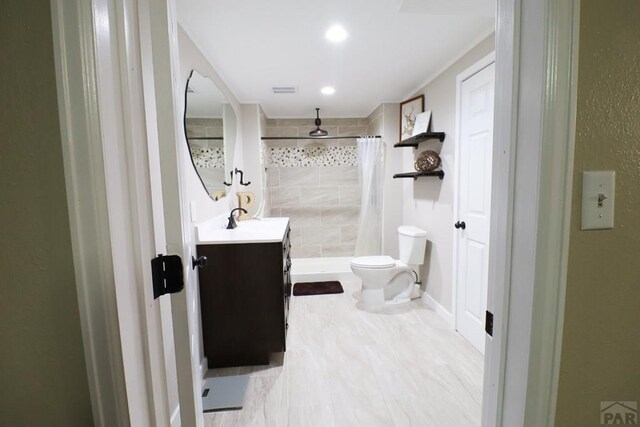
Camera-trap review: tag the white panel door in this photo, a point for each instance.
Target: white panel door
(474, 203)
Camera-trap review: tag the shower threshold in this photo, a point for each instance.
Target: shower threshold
(320, 269)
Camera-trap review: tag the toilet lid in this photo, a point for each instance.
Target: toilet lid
(381, 261)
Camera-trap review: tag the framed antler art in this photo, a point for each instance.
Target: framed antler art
(409, 109)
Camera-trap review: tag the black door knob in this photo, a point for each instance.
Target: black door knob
(201, 262)
(460, 225)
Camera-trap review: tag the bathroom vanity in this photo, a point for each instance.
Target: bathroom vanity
(244, 291)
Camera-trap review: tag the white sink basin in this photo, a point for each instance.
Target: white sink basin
(262, 230)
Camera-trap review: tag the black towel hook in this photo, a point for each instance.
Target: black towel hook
(238, 171)
(228, 184)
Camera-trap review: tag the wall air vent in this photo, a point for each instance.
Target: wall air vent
(284, 89)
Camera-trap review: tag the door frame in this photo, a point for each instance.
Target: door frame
(113, 77)
(534, 131)
(461, 77)
(535, 104)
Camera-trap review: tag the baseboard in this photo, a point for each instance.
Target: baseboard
(440, 310)
(175, 417)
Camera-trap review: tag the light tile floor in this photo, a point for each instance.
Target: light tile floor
(343, 366)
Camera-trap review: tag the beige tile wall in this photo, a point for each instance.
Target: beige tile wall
(212, 177)
(204, 127)
(323, 202)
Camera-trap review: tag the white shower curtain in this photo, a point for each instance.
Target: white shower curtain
(371, 168)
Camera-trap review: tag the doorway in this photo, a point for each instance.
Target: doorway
(505, 399)
(474, 148)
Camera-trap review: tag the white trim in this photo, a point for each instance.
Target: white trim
(535, 74)
(167, 100)
(483, 63)
(175, 417)
(566, 222)
(430, 302)
(204, 366)
(505, 116)
(554, 203)
(470, 71)
(87, 202)
(475, 42)
(115, 230)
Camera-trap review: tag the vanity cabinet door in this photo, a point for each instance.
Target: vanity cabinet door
(243, 302)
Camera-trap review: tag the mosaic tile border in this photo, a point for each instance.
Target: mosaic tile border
(209, 157)
(311, 156)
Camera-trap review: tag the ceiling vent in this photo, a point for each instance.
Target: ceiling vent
(278, 90)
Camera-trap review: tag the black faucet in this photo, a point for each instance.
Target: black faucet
(232, 221)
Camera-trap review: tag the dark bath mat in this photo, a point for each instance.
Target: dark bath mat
(317, 288)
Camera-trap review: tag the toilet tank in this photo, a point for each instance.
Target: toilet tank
(412, 242)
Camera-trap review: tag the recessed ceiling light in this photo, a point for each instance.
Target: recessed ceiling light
(336, 33)
(328, 90)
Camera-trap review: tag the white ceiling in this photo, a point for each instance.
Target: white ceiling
(204, 100)
(450, 7)
(392, 49)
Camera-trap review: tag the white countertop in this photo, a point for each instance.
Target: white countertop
(263, 230)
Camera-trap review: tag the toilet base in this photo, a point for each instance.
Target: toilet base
(374, 299)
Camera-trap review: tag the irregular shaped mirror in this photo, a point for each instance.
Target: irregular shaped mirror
(210, 129)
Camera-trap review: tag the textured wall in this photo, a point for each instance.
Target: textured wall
(428, 202)
(43, 379)
(600, 358)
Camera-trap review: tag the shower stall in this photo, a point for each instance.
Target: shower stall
(316, 183)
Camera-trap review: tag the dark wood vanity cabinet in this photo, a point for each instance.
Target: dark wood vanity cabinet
(244, 300)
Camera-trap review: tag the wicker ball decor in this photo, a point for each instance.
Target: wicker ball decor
(428, 161)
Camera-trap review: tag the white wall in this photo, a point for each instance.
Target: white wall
(191, 58)
(251, 164)
(428, 202)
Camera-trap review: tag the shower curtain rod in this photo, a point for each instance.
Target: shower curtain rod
(320, 137)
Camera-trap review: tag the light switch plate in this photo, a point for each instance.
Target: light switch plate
(598, 197)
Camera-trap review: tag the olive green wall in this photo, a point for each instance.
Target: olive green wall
(600, 358)
(43, 380)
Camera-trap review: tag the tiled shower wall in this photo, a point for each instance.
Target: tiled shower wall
(315, 183)
(208, 155)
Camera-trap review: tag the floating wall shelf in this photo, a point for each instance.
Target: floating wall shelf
(415, 140)
(416, 175)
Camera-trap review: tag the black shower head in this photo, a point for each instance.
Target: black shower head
(317, 131)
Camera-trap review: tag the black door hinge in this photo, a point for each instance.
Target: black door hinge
(166, 271)
(488, 323)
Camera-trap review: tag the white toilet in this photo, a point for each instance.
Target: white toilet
(389, 281)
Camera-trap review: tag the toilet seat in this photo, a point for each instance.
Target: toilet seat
(379, 261)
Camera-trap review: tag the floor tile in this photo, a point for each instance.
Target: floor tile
(402, 366)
